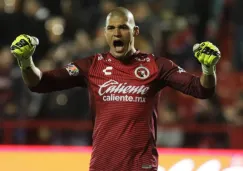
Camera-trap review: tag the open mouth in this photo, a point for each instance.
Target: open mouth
(119, 45)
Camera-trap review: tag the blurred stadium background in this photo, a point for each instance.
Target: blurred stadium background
(71, 29)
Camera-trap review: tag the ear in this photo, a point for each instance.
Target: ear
(135, 31)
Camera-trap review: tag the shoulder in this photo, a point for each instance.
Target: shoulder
(90, 60)
(84, 60)
(144, 57)
(81, 65)
(160, 61)
(163, 62)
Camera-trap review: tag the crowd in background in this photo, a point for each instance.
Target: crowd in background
(73, 29)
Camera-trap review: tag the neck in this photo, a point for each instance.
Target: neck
(126, 55)
(130, 53)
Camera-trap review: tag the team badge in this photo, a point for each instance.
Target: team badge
(180, 70)
(72, 70)
(142, 72)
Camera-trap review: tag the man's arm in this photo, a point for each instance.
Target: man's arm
(208, 81)
(208, 55)
(23, 47)
(200, 87)
(72, 75)
(31, 76)
(177, 78)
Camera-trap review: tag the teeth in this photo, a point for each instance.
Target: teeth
(119, 48)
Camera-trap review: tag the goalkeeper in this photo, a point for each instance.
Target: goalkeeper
(124, 139)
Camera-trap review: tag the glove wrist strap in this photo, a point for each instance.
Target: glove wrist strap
(208, 70)
(25, 63)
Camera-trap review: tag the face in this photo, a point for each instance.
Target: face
(120, 33)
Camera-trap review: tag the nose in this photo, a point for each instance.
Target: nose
(117, 32)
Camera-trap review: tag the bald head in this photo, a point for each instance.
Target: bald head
(123, 13)
(120, 32)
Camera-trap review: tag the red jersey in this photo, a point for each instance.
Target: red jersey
(122, 96)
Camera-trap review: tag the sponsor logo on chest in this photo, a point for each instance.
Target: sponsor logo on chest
(113, 86)
(114, 91)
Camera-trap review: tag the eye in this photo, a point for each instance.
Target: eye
(125, 27)
(110, 27)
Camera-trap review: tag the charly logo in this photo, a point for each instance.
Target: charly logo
(142, 72)
(107, 70)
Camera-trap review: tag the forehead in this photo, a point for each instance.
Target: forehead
(117, 20)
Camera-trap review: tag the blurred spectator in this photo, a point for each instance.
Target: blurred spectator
(12, 92)
(180, 44)
(145, 19)
(72, 17)
(208, 13)
(105, 7)
(55, 28)
(53, 6)
(167, 114)
(99, 42)
(7, 105)
(234, 113)
(237, 14)
(35, 17)
(14, 20)
(82, 46)
(208, 111)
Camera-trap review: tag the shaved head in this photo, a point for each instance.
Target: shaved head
(123, 13)
(120, 31)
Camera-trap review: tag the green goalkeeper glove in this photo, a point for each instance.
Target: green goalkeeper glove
(208, 55)
(23, 48)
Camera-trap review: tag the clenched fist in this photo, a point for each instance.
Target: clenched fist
(206, 53)
(23, 48)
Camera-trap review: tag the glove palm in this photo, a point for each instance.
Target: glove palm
(206, 53)
(23, 48)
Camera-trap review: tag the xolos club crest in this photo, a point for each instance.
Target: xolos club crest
(142, 72)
